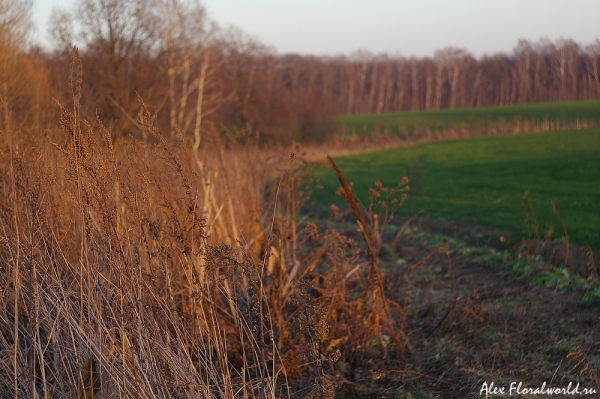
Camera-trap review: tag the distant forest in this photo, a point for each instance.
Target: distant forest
(195, 75)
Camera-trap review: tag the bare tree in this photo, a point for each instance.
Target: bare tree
(564, 67)
(117, 39)
(61, 29)
(15, 22)
(364, 58)
(564, 60)
(196, 76)
(414, 67)
(475, 100)
(244, 57)
(373, 85)
(439, 81)
(592, 56)
(542, 75)
(386, 88)
(524, 54)
(180, 28)
(453, 60)
(429, 85)
(207, 102)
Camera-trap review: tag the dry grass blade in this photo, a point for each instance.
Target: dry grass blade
(591, 263)
(378, 315)
(362, 223)
(580, 364)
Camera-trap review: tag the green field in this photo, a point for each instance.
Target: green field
(474, 118)
(482, 180)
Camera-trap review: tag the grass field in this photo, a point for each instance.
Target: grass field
(482, 180)
(394, 123)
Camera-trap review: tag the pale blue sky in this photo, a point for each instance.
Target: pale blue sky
(405, 27)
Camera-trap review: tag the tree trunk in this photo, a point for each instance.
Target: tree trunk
(475, 90)
(429, 90)
(201, 81)
(439, 86)
(415, 85)
(373, 88)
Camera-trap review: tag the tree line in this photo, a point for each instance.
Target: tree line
(197, 75)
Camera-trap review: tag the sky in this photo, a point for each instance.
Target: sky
(411, 28)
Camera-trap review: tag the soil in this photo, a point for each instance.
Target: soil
(476, 315)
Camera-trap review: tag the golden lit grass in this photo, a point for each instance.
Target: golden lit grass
(135, 269)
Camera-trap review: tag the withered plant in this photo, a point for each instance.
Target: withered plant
(133, 268)
(382, 319)
(112, 284)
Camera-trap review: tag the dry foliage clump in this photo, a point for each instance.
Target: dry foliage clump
(135, 269)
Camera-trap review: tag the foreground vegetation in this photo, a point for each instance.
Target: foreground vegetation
(137, 269)
(489, 180)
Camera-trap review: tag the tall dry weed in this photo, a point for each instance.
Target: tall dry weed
(113, 286)
(134, 268)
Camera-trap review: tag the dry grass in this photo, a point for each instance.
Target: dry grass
(135, 269)
(114, 288)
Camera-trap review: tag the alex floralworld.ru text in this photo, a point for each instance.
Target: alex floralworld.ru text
(517, 389)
